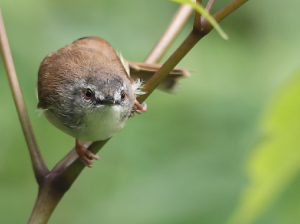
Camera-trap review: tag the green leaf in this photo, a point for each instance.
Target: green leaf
(206, 14)
(275, 162)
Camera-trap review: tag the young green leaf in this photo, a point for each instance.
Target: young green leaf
(206, 14)
(275, 162)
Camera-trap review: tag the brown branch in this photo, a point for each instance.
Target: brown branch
(57, 182)
(197, 18)
(39, 166)
(223, 13)
(176, 25)
(66, 178)
(66, 161)
(208, 7)
(186, 46)
(48, 198)
(175, 58)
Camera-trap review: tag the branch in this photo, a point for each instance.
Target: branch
(209, 5)
(66, 177)
(175, 58)
(197, 18)
(223, 13)
(176, 25)
(39, 166)
(186, 46)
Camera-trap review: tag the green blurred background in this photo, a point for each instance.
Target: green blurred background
(194, 157)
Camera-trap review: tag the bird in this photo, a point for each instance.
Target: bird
(85, 90)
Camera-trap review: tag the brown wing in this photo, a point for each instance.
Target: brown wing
(145, 71)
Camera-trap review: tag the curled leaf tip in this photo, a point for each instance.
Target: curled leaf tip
(199, 8)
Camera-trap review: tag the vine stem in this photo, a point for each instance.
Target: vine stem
(48, 198)
(196, 34)
(176, 25)
(223, 13)
(39, 166)
(175, 58)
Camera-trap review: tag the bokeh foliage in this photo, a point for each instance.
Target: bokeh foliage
(275, 161)
(187, 159)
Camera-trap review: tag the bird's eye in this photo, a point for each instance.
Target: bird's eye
(123, 95)
(88, 94)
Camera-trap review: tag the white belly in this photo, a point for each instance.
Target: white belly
(97, 125)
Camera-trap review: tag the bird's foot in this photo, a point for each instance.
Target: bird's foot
(138, 108)
(84, 154)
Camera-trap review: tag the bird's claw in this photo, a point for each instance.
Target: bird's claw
(86, 156)
(138, 108)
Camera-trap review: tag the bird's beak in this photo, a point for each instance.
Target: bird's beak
(107, 101)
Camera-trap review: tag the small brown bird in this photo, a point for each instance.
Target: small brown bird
(85, 89)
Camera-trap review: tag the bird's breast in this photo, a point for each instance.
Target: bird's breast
(103, 123)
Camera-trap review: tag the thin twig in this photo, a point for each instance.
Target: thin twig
(66, 161)
(186, 46)
(66, 178)
(176, 25)
(208, 7)
(223, 13)
(48, 198)
(39, 166)
(175, 58)
(197, 18)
